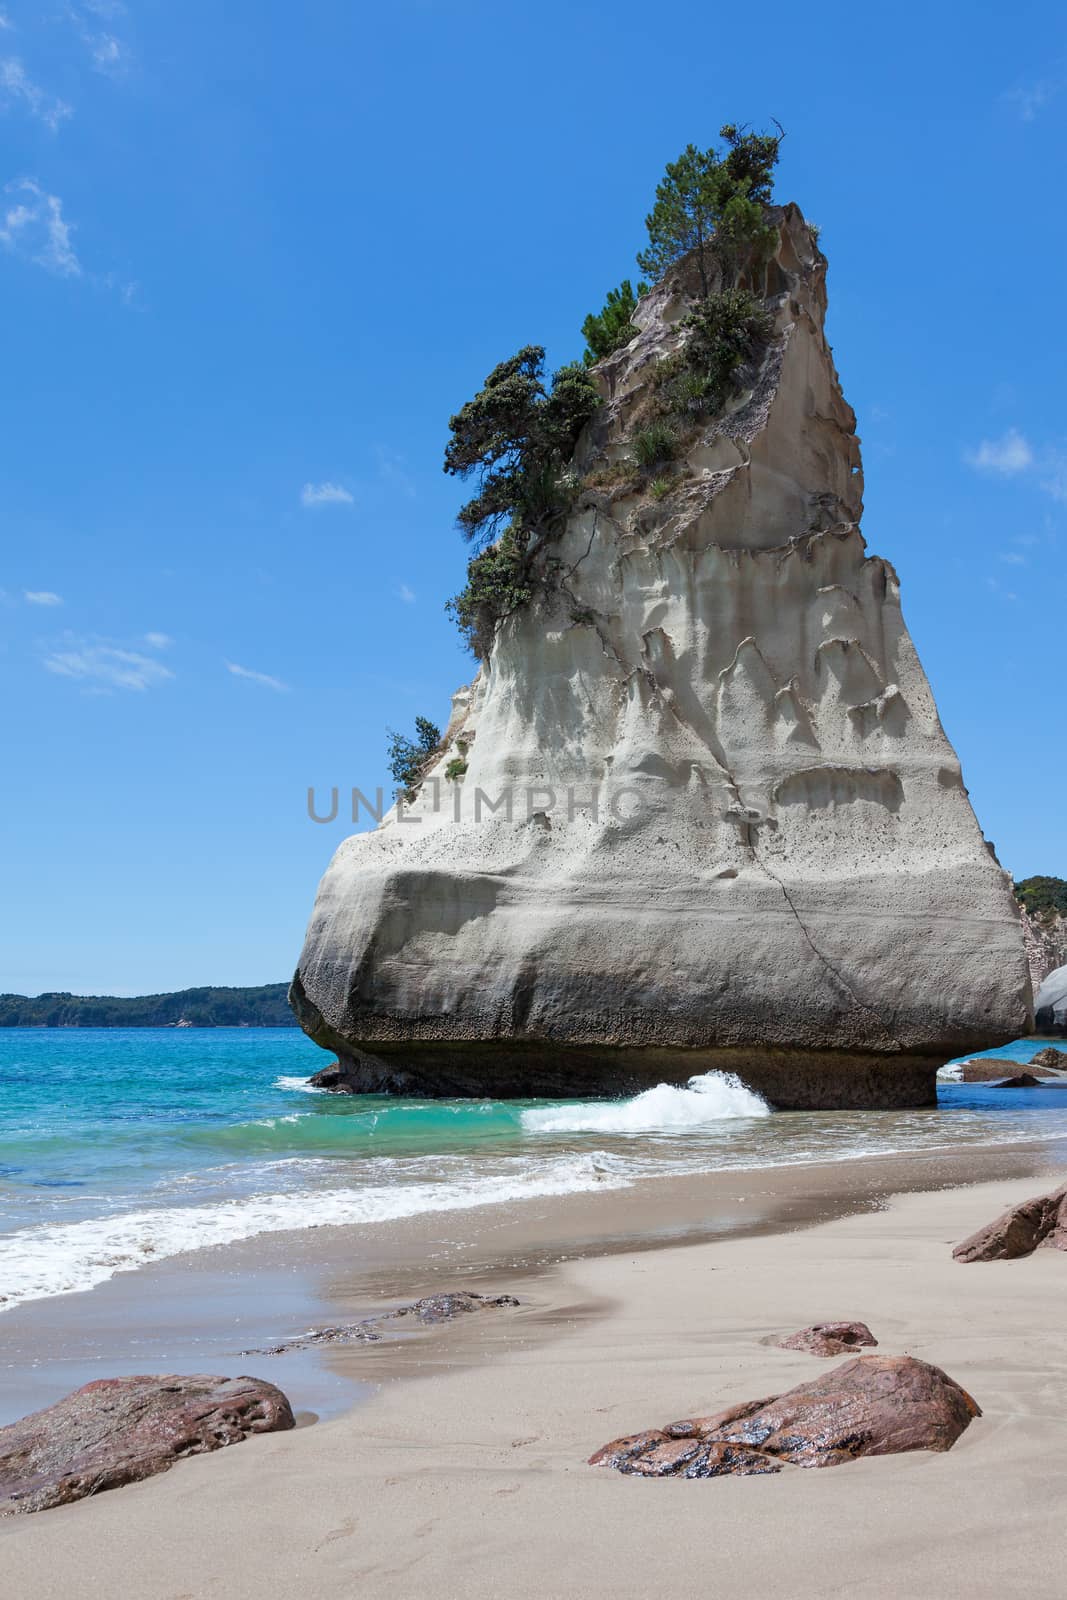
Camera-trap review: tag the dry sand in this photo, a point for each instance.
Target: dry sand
(473, 1482)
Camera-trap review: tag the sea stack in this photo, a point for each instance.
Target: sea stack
(738, 835)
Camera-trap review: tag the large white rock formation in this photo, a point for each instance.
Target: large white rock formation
(784, 876)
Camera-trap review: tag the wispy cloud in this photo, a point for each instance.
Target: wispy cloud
(158, 641)
(262, 678)
(407, 595)
(1013, 558)
(103, 667)
(325, 494)
(33, 225)
(1054, 468)
(18, 88)
(393, 471)
(42, 597)
(1006, 456)
(998, 589)
(5, 21)
(1028, 100)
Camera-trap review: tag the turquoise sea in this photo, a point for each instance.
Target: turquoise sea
(123, 1147)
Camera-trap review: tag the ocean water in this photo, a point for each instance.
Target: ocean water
(120, 1147)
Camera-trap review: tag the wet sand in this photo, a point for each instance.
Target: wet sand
(636, 1307)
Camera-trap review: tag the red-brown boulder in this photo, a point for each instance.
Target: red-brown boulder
(1036, 1224)
(870, 1406)
(120, 1430)
(829, 1338)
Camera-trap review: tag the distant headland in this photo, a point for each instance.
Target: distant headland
(262, 1007)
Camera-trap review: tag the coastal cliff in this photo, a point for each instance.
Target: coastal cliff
(729, 830)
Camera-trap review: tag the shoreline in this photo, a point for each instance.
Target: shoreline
(477, 1481)
(203, 1309)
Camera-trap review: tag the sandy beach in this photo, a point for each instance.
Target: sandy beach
(462, 1470)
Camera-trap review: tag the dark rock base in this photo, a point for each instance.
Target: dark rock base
(791, 1080)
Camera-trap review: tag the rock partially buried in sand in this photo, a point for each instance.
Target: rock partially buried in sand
(1036, 1224)
(871, 1406)
(829, 1338)
(431, 1310)
(120, 1430)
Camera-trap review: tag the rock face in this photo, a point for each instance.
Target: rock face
(120, 1430)
(1045, 935)
(780, 875)
(872, 1406)
(1019, 1231)
(829, 1338)
(1050, 1006)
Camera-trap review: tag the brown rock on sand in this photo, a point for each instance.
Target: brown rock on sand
(1037, 1223)
(120, 1430)
(870, 1406)
(829, 1338)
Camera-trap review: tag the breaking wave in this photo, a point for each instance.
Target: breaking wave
(709, 1097)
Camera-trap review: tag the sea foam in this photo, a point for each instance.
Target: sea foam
(709, 1097)
(50, 1259)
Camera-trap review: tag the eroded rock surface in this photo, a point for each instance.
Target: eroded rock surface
(829, 1338)
(120, 1430)
(994, 1069)
(432, 1309)
(1035, 1224)
(779, 874)
(1050, 1059)
(871, 1406)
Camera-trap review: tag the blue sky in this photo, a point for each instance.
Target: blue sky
(253, 257)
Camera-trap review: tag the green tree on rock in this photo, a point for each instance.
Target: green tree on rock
(608, 330)
(516, 438)
(407, 757)
(712, 204)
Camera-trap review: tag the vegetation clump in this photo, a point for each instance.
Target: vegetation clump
(1043, 897)
(408, 757)
(499, 580)
(608, 330)
(516, 437)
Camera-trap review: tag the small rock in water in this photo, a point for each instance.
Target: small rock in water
(829, 1338)
(120, 1430)
(1035, 1224)
(1021, 1080)
(871, 1406)
(1049, 1057)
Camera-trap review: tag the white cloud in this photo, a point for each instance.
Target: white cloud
(42, 597)
(5, 20)
(1013, 558)
(18, 88)
(34, 226)
(263, 678)
(324, 494)
(1007, 455)
(407, 595)
(158, 641)
(106, 667)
